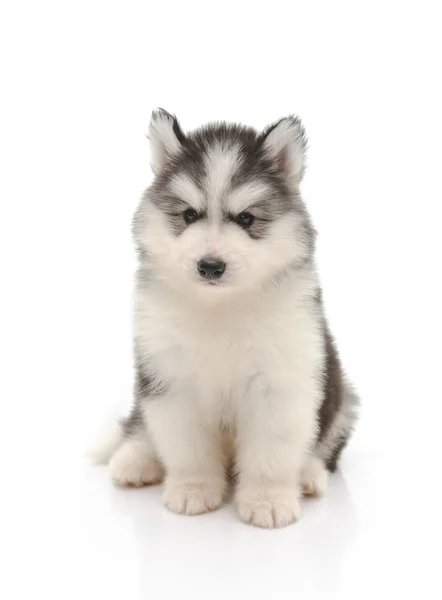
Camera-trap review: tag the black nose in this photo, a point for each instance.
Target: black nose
(211, 268)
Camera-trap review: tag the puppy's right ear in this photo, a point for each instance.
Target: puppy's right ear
(165, 136)
(285, 143)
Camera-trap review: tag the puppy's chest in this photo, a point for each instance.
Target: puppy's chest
(208, 354)
(220, 353)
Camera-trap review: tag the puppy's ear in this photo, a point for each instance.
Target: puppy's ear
(165, 136)
(286, 144)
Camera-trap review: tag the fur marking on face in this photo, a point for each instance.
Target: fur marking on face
(226, 192)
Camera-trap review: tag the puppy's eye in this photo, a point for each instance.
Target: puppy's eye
(190, 216)
(245, 219)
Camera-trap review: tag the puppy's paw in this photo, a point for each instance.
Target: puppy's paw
(268, 507)
(314, 477)
(134, 464)
(193, 497)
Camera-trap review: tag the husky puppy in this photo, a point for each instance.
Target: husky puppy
(236, 370)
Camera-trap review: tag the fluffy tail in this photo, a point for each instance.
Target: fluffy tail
(108, 440)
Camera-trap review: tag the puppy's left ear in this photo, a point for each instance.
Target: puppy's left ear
(286, 144)
(165, 136)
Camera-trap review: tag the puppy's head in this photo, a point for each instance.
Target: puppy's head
(224, 212)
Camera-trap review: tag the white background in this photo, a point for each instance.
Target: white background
(78, 83)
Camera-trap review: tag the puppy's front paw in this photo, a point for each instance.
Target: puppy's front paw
(134, 465)
(268, 507)
(193, 497)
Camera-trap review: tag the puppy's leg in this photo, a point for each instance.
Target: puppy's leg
(274, 435)
(314, 476)
(191, 452)
(135, 462)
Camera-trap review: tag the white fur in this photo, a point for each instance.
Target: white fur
(163, 141)
(314, 477)
(250, 366)
(135, 463)
(193, 496)
(185, 188)
(108, 440)
(286, 143)
(245, 196)
(221, 163)
(268, 506)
